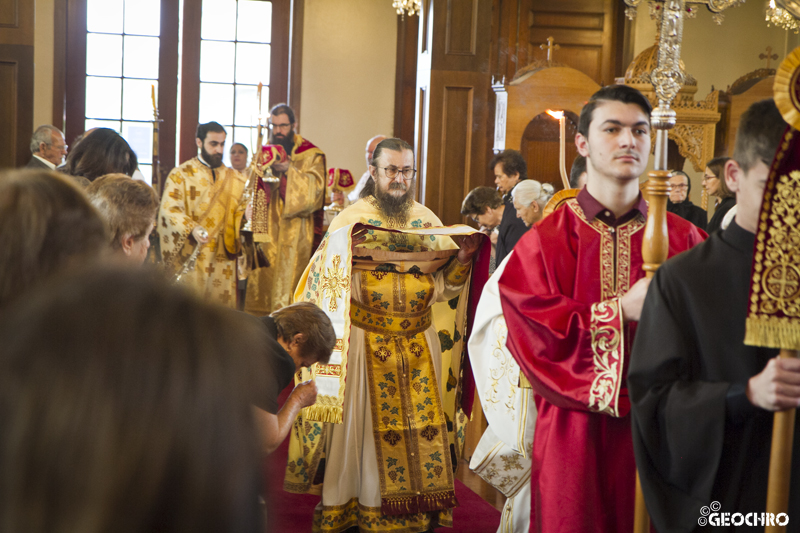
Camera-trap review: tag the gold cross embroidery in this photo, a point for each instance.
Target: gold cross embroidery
(334, 283)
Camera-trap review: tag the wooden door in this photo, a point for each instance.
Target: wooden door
(16, 81)
(541, 147)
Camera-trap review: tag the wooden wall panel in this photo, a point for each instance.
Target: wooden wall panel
(461, 27)
(455, 143)
(16, 22)
(16, 81)
(406, 77)
(594, 36)
(16, 104)
(585, 31)
(453, 85)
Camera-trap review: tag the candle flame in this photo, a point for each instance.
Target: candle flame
(558, 115)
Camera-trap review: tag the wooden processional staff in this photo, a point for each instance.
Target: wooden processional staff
(667, 79)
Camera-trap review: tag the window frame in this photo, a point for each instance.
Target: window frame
(69, 80)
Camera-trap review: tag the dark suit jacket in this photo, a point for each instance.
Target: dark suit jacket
(35, 163)
(511, 229)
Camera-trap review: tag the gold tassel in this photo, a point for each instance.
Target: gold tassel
(324, 413)
(772, 332)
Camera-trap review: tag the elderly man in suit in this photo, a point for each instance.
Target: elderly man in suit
(48, 148)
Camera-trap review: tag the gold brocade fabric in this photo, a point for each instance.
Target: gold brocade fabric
(401, 268)
(416, 474)
(193, 197)
(290, 230)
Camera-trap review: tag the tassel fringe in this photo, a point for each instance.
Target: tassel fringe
(424, 503)
(773, 332)
(324, 413)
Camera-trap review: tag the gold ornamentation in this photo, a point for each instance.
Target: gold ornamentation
(608, 357)
(335, 283)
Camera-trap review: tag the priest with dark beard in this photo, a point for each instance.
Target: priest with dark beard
(294, 220)
(201, 206)
(386, 435)
(679, 202)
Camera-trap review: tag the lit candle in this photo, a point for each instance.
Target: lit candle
(562, 152)
(260, 85)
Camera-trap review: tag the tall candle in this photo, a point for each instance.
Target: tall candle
(562, 152)
(153, 96)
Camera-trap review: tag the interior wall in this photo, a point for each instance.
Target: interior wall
(43, 63)
(348, 73)
(717, 55)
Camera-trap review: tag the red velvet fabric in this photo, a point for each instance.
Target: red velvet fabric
(583, 471)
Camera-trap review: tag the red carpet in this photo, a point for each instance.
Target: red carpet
(293, 513)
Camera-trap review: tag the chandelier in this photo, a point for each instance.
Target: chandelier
(715, 6)
(411, 7)
(781, 18)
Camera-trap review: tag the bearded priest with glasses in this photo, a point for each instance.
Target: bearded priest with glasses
(381, 438)
(294, 216)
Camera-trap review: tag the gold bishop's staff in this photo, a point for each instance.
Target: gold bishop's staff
(773, 318)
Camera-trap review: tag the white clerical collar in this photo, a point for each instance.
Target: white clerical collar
(45, 161)
(203, 161)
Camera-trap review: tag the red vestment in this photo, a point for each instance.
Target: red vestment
(560, 294)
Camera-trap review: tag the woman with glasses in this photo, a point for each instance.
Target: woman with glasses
(679, 202)
(714, 184)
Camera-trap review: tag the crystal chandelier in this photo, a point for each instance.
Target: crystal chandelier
(781, 18)
(716, 7)
(410, 7)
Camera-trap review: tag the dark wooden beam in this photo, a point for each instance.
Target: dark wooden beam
(168, 87)
(190, 78)
(75, 76)
(405, 85)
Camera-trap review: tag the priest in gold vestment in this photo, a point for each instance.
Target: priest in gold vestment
(384, 415)
(294, 214)
(203, 196)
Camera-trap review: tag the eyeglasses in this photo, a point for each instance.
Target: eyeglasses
(282, 127)
(706, 178)
(57, 147)
(680, 186)
(392, 172)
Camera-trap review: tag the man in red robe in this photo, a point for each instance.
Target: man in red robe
(571, 294)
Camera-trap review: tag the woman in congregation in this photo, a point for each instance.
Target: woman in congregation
(101, 151)
(714, 184)
(47, 224)
(529, 198)
(129, 208)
